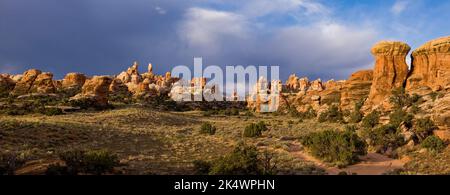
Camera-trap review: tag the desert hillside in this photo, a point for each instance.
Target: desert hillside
(393, 119)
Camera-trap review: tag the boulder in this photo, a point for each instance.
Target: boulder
(293, 83)
(390, 70)
(430, 65)
(356, 88)
(23, 86)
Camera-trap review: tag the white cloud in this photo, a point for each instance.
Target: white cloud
(255, 8)
(160, 10)
(308, 49)
(206, 29)
(399, 6)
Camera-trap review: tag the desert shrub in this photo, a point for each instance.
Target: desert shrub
(208, 128)
(57, 169)
(210, 112)
(51, 111)
(244, 160)
(371, 120)
(255, 129)
(356, 115)
(399, 116)
(202, 167)
(434, 95)
(338, 147)
(351, 128)
(10, 162)
(433, 143)
(415, 109)
(249, 114)
(333, 114)
(400, 98)
(423, 128)
(308, 114)
(231, 112)
(385, 137)
(92, 162)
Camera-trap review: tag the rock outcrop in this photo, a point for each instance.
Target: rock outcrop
(73, 81)
(43, 84)
(6, 84)
(26, 82)
(356, 88)
(316, 85)
(430, 65)
(390, 70)
(95, 91)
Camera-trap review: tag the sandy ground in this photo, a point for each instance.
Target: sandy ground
(371, 164)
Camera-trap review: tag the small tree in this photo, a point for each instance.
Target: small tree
(371, 120)
(433, 143)
(208, 128)
(423, 128)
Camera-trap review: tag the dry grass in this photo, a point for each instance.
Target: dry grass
(152, 142)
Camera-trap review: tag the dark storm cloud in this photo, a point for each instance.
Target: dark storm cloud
(97, 37)
(306, 37)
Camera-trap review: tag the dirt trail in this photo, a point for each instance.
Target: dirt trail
(371, 164)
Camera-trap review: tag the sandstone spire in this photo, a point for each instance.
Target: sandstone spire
(430, 65)
(390, 69)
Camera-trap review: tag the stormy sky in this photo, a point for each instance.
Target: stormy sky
(326, 39)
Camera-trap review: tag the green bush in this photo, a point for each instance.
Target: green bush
(244, 160)
(371, 120)
(202, 167)
(356, 115)
(91, 162)
(385, 137)
(338, 147)
(351, 128)
(51, 111)
(252, 130)
(333, 114)
(433, 143)
(399, 116)
(423, 128)
(255, 129)
(400, 98)
(208, 128)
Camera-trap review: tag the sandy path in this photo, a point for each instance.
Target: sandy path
(371, 164)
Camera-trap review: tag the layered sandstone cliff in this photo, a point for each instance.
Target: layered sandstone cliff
(430, 65)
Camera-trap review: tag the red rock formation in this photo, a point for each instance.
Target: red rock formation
(390, 70)
(6, 84)
(43, 84)
(316, 85)
(95, 90)
(73, 80)
(430, 65)
(357, 87)
(24, 85)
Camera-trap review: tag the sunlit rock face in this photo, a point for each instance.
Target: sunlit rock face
(356, 88)
(430, 66)
(390, 70)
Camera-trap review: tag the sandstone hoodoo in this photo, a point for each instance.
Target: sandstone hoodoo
(24, 85)
(73, 80)
(43, 84)
(356, 88)
(95, 91)
(430, 65)
(390, 70)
